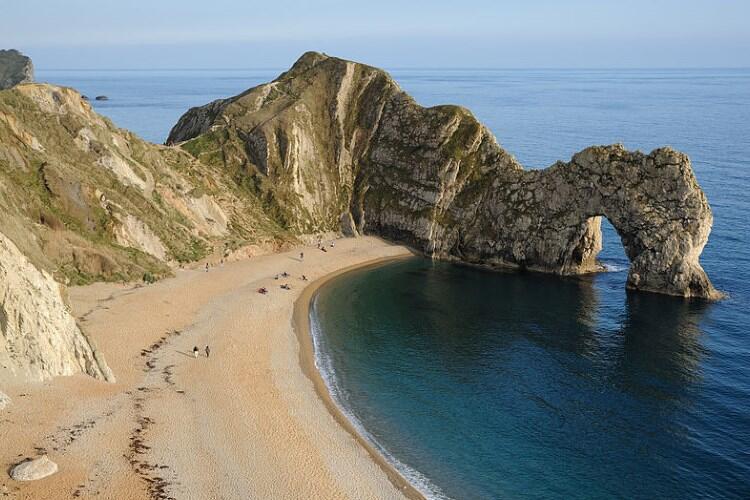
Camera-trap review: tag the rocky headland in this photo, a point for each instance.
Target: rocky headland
(337, 145)
(15, 68)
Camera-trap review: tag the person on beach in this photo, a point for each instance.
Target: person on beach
(195, 351)
(332, 243)
(208, 351)
(304, 278)
(206, 266)
(302, 256)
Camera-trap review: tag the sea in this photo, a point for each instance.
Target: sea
(485, 385)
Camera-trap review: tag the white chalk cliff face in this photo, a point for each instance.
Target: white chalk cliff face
(336, 145)
(39, 337)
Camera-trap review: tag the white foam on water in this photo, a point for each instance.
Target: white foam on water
(611, 267)
(324, 365)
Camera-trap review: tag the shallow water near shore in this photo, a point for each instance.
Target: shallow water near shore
(497, 385)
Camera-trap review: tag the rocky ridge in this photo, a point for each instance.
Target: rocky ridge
(89, 202)
(334, 144)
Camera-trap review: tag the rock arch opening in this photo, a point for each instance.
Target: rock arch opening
(606, 250)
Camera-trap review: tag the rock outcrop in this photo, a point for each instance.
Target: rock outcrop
(32, 470)
(39, 337)
(15, 68)
(336, 145)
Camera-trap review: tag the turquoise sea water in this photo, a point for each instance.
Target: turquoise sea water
(508, 385)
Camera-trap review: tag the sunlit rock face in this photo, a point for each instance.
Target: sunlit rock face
(90, 202)
(549, 220)
(39, 338)
(332, 144)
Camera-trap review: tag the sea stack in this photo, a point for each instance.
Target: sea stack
(337, 145)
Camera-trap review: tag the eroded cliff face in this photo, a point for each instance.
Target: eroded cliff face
(333, 144)
(296, 141)
(39, 337)
(90, 202)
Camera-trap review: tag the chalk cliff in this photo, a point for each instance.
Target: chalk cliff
(39, 337)
(336, 145)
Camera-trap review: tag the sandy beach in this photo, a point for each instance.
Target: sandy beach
(253, 420)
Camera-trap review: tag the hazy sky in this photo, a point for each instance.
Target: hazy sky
(388, 33)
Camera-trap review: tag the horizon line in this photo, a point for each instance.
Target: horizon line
(444, 68)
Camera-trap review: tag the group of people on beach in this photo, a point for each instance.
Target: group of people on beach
(207, 351)
(322, 246)
(286, 286)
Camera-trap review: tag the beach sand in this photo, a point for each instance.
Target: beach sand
(253, 420)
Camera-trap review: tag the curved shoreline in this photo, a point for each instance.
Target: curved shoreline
(245, 422)
(301, 326)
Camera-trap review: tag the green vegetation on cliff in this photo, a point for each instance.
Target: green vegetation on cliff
(91, 202)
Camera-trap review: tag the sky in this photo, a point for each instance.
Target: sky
(166, 34)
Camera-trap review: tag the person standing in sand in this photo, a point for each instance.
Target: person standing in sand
(195, 351)
(208, 352)
(206, 266)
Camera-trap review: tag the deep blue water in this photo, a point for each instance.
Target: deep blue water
(507, 385)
